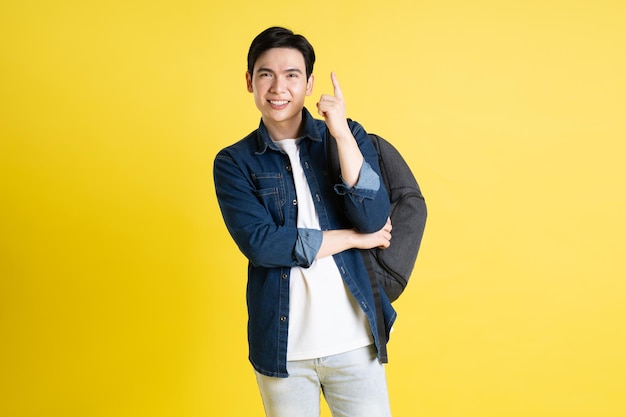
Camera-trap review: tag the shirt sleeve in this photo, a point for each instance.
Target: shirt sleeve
(367, 204)
(366, 187)
(308, 244)
(259, 236)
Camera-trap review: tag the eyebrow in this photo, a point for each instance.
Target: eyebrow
(263, 69)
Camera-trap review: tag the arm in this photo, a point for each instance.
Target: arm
(333, 109)
(335, 241)
(253, 225)
(366, 200)
(265, 242)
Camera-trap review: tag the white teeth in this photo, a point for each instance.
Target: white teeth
(278, 102)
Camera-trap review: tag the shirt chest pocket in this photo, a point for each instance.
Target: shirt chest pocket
(270, 190)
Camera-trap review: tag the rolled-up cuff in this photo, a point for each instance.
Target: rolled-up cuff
(307, 246)
(366, 187)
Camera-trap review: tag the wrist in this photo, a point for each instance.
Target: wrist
(352, 238)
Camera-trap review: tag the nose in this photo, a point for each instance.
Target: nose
(278, 84)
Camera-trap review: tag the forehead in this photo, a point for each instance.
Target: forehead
(280, 59)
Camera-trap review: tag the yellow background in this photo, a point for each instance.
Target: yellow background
(122, 295)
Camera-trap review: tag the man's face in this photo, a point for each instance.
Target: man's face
(280, 85)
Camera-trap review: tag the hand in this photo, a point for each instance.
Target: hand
(380, 239)
(333, 109)
(336, 241)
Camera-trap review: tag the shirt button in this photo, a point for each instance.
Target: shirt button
(288, 168)
(284, 276)
(294, 202)
(283, 318)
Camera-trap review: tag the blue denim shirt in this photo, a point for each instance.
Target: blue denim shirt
(257, 197)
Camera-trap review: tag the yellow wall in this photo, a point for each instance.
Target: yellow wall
(122, 295)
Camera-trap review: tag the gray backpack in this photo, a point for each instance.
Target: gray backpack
(392, 267)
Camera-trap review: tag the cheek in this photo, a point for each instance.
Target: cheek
(257, 97)
(265, 87)
(258, 89)
(302, 89)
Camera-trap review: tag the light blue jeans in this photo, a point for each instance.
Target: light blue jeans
(353, 384)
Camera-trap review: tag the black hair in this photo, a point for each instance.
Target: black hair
(279, 37)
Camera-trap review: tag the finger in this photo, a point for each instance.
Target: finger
(338, 92)
(320, 110)
(326, 97)
(388, 226)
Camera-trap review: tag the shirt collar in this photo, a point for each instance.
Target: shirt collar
(310, 131)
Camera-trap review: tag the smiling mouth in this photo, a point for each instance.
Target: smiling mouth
(278, 102)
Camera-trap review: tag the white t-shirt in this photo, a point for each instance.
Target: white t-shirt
(324, 317)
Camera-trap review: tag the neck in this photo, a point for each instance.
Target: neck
(288, 129)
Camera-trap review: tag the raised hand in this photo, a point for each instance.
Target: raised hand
(333, 109)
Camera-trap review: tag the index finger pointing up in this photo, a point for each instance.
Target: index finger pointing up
(338, 92)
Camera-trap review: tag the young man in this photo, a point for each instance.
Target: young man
(312, 320)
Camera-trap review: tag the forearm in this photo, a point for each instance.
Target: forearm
(335, 241)
(350, 158)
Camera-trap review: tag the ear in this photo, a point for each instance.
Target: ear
(249, 82)
(309, 85)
